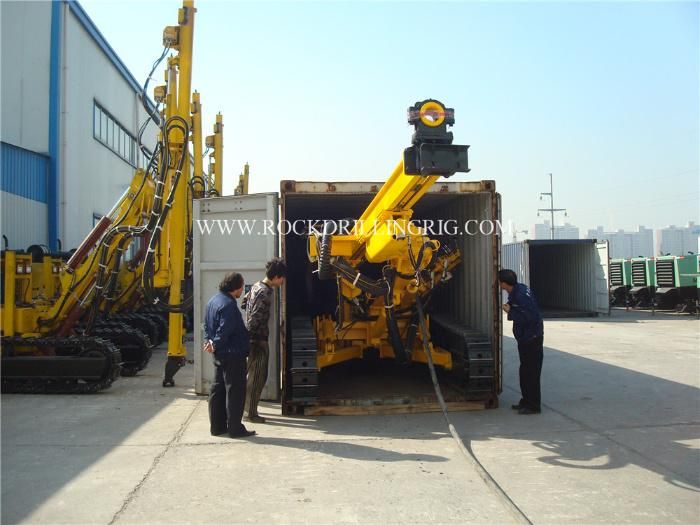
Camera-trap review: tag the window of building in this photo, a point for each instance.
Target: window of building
(108, 131)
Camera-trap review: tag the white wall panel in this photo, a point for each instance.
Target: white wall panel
(25, 44)
(28, 219)
(94, 177)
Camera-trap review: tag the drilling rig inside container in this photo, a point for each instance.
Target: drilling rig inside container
(72, 323)
(372, 279)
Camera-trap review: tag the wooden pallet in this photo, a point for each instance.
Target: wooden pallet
(397, 405)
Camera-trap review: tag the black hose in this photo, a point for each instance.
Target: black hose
(148, 271)
(518, 514)
(391, 324)
(325, 269)
(144, 93)
(376, 288)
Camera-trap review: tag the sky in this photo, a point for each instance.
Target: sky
(603, 95)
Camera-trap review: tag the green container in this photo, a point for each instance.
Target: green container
(677, 271)
(687, 271)
(620, 272)
(676, 280)
(643, 272)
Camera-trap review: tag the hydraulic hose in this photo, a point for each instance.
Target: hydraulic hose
(325, 269)
(391, 324)
(491, 483)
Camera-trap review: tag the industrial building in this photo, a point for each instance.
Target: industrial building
(71, 113)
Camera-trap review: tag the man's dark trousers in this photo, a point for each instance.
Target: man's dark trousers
(531, 354)
(227, 395)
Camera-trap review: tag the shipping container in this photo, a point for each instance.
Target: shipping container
(470, 301)
(227, 246)
(569, 277)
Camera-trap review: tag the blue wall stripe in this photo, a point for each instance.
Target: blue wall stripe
(24, 173)
(54, 121)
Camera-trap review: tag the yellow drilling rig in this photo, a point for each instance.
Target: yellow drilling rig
(72, 325)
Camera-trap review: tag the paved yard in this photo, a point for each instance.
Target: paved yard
(618, 442)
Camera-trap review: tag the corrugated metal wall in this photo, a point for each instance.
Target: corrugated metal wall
(562, 275)
(515, 257)
(24, 172)
(24, 195)
(470, 298)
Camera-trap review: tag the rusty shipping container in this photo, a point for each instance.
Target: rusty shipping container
(471, 301)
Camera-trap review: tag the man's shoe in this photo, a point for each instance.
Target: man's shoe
(244, 434)
(220, 433)
(255, 419)
(527, 411)
(516, 407)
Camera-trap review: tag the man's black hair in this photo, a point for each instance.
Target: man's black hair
(231, 281)
(508, 277)
(275, 268)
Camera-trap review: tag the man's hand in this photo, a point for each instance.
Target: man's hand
(506, 308)
(208, 347)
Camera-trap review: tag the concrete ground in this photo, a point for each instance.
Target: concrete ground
(618, 442)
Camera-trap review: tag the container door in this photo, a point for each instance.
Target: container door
(516, 256)
(602, 273)
(237, 233)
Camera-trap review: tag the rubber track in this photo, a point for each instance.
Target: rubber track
(159, 317)
(64, 346)
(116, 332)
(303, 330)
(142, 323)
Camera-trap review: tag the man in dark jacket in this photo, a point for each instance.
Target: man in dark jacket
(258, 304)
(226, 337)
(528, 330)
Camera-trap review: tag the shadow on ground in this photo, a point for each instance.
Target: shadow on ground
(595, 416)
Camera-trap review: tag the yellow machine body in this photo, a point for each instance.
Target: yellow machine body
(45, 301)
(385, 235)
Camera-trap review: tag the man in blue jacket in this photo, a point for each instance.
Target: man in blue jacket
(226, 337)
(528, 330)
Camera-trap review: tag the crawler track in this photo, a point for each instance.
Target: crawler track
(53, 365)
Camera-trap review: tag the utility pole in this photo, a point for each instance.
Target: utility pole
(551, 208)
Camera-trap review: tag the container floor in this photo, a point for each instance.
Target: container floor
(383, 386)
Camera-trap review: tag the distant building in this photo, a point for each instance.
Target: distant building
(544, 231)
(678, 241)
(623, 245)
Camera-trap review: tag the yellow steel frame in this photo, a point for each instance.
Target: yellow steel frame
(38, 302)
(177, 231)
(242, 188)
(216, 158)
(383, 234)
(46, 296)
